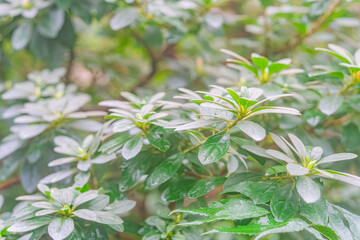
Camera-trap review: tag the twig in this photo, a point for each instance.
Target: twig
(69, 66)
(318, 23)
(9, 182)
(154, 63)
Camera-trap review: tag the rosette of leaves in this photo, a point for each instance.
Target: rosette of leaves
(262, 68)
(349, 61)
(302, 164)
(40, 84)
(348, 73)
(84, 154)
(227, 109)
(55, 113)
(27, 8)
(65, 213)
(139, 118)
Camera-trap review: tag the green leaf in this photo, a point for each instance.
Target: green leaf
(214, 148)
(97, 204)
(328, 105)
(246, 65)
(134, 170)
(260, 61)
(341, 56)
(158, 141)
(326, 232)
(132, 147)
(344, 177)
(234, 209)
(264, 226)
(316, 212)
(85, 197)
(236, 178)
(253, 130)
(123, 18)
(337, 157)
(120, 207)
(336, 223)
(277, 67)
(164, 171)
(351, 137)
(60, 228)
(260, 192)
(285, 202)
(178, 190)
(107, 218)
(153, 37)
(204, 186)
(352, 219)
(30, 224)
(115, 143)
(21, 36)
(49, 25)
(296, 170)
(308, 189)
(85, 214)
(57, 176)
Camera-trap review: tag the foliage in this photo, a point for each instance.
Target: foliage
(268, 146)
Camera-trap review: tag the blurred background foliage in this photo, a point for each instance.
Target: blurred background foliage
(147, 46)
(112, 46)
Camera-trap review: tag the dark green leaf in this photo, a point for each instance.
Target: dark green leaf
(178, 190)
(214, 148)
(285, 202)
(50, 24)
(164, 171)
(204, 186)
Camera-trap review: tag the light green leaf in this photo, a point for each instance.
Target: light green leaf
(132, 147)
(316, 212)
(123, 18)
(337, 157)
(85, 197)
(353, 220)
(30, 224)
(328, 105)
(296, 170)
(308, 189)
(214, 148)
(57, 176)
(280, 156)
(336, 223)
(60, 229)
(120, 207)
(49, 25)
(253, 130)
(22, 35)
